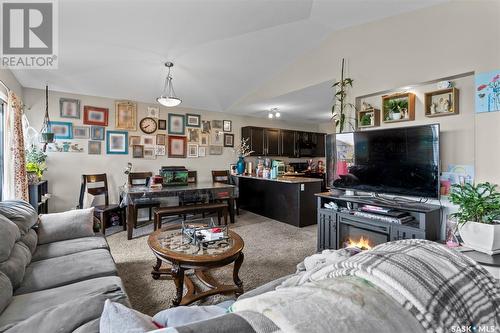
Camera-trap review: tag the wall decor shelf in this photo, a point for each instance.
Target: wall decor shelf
(371, 114)
(403, 102)
(443, 102)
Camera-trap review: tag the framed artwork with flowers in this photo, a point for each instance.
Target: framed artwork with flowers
(488, 91)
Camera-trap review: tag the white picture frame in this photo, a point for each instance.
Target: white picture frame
(192, 150)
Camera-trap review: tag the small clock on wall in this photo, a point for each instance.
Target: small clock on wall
(148, 125)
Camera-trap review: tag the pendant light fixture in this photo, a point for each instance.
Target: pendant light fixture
(274, 113)
(47, 136)
(168, 97)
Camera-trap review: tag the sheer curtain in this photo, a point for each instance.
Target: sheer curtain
(15, 181)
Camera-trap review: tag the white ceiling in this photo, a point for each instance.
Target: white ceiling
(222, 49)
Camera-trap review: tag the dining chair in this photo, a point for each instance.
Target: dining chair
(223, 176)
(97, 185)
(142, 179)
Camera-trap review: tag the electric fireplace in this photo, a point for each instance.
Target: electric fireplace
(363, 235)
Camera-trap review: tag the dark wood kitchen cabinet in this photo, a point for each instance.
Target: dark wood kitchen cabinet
(286, 143)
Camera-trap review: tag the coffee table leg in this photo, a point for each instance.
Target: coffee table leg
(156, 269)
(236, 270)
(178, 275)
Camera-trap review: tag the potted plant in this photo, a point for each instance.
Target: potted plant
(242, 151)
(395, 108)
(366, 119)
(341, 106)
(35, 164)
(479, 207)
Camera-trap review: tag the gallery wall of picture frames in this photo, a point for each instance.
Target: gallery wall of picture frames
(174, 136)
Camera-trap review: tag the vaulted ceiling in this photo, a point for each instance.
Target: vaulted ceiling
(223, 50)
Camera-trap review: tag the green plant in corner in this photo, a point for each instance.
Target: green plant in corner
(341, 106)
(477, 203)
(36, 161)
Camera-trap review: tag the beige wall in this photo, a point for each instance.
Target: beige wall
(64, 169)
(420, 46)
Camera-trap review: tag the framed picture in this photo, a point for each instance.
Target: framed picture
(177, 146)
(61, 129)
(150, 153)
(134, 140)
(137, 151)
(487, 91)
(228, 140)
(193, 135)
(192, 150)
(95, 116)
(227, 125)
(69, 108)
(126, 115)
(153, 111)
(217, 124)
(204, 139)
(162, 124)
(216, 137)
(161, 139)
(160, 150)
(205, 126)
(202, 151)
(215, 150)
(116, 142)
(193, 120)
(81, 132)
(148, 140)
(176, 124)
(94, 148)
(97, 133)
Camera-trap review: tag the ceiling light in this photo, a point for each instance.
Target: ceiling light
(273, 113)
(270, 116)
(168, 97)
(277, 114)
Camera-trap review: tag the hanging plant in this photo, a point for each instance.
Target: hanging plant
(341, 106)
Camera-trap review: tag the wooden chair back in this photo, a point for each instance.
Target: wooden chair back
(220, 176)
(97, 190)
(192, 177)
(139, 178)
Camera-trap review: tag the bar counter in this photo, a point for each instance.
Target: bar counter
(286, 199)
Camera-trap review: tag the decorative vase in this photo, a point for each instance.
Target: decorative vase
(481, 237)
(240, 165)
(396, 116)
(32, 178)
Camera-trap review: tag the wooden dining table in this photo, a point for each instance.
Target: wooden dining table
(131, 196)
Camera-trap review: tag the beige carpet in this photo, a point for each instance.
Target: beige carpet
(272, 249)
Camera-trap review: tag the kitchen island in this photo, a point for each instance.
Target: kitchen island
(286, 199)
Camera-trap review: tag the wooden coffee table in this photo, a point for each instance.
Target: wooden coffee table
(173, 248)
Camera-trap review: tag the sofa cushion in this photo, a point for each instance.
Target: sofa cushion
(9, 234)
(118, 318)
(30, 239)
(67, 225)
(59, 271)
(26, 305)
(5, 291)
(70, 246)
(15, 266)
(21, 213)
(89, 327)
(68, 316)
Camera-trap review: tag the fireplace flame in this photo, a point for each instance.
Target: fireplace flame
(362, 243)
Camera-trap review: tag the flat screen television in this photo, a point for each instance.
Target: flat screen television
(397, 161)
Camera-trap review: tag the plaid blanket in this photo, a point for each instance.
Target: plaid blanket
(440, 287)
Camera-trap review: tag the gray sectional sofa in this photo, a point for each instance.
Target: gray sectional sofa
(53, 280)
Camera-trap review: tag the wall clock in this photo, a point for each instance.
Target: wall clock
(148, 125)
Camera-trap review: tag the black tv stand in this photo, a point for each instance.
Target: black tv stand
(332, 223)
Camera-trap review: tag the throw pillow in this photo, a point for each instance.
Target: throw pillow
(67, 225)
(118, 318)
(184, 315)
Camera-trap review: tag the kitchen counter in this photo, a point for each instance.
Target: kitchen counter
(286, 179)
(286, 199)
